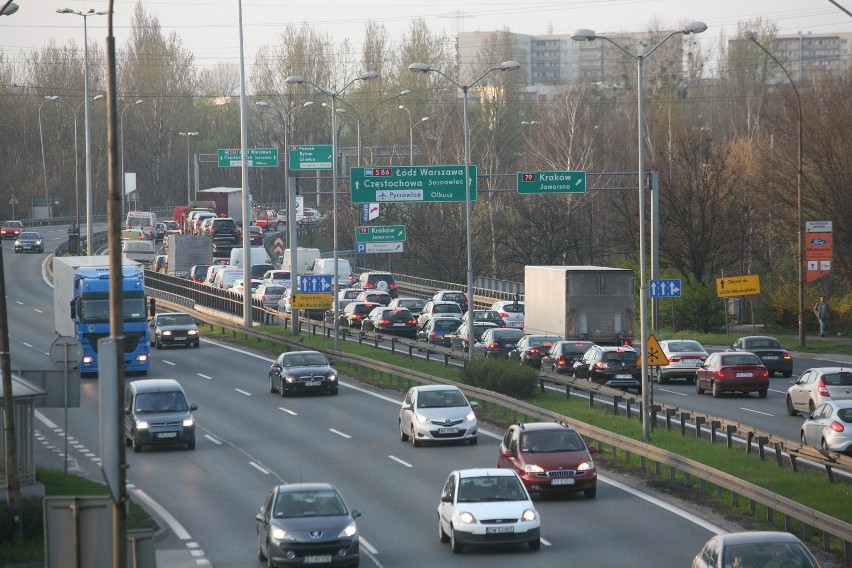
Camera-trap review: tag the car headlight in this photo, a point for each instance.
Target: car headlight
(141, 424)
(142, 358)
(280, 534)
(167, 332)
(350, 530)
(38, 243)
(532, 468)
(529, 515)
(17, 243)
(332, 377)
(470, 417)
(192, 332)
(467, 519)
(422, 419)
(288, 378)
(188, 422)
(586, 466)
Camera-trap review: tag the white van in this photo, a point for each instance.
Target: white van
(144, 220)
(141, 251)
(258, 256)
(326, 266)
(305, 258)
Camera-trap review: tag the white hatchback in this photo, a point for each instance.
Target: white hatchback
(487, 506)
(511, 311)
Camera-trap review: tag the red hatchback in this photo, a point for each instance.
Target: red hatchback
(11, 229)
(549, 457)
(732, 372)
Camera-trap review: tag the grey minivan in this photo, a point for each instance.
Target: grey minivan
(156, 413)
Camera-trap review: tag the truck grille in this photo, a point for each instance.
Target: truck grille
(131, 340)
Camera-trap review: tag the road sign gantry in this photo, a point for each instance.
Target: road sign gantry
(410, 184)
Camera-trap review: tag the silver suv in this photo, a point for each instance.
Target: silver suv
(381, 281)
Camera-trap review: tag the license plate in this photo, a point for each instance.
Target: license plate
(448, 430)
(318, 559)
(624, 376)
(743, 375)
(771, 357)
(313, 383)
(499, 530)
(179, 339)
(167, 435)
(562, 481)
(399, 325)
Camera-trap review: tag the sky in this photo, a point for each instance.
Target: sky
(210, 28)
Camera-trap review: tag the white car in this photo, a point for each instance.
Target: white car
(437, 413)
(487, 506)
(511, 311)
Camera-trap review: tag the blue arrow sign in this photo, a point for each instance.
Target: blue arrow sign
(315, 283)
(667, 288)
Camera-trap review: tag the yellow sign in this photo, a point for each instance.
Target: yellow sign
(654, 353)
(304, 301)
(737, 286)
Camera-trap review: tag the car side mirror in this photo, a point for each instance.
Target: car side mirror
(473, 404)
(446, 498)
(193, 407)
(506, 453)
(593, 450)
(355, 513)
(406, 407)
(332, 362)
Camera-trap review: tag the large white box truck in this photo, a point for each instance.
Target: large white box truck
(589, 303)
(185, 251)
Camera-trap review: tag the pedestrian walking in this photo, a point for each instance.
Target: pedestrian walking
(821, 310)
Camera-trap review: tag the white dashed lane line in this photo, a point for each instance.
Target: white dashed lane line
(243, 392)
(397, 460)
(339, 433)
(288, 411)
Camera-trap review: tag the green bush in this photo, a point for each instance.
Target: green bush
(517, 381)
(699, 308)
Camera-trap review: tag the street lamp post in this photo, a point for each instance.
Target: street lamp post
(424, 68)
(53, 99)
(121, 123)
(292, 228)
(297, 80)
(8, 8)
(77, 172)
(188, 175)
(421, 121)
(87, 119)
(799, 215)
(410, 136)
(589, 35)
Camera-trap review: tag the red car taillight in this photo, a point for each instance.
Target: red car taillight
(823, 392)
(788, 355)
(433, 335)
(412, 322)
(504, 315)
(368, 286)
(494, 345)
(384, 322)
(533, 351)
(836, 426)
(392, 286)
(720, 374)
(674, 359)
(600, 365)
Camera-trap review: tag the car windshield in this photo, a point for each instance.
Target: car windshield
(683, 346)
(543, 340)
(508, 335)
(502, 488)
(841, 379)
(440, 399)
(734, 360)
(397, 315)
(574, 348)
(173, 401)
(305, 360)
(175, 319)
(412, 304)
(459, 297)
(445, 324)
(308, 504)
(513, 308)
(767, 343)
(768, 554)
(845, 414)
(551, 441)
(623, 356)
(446, 309)
(29, 236)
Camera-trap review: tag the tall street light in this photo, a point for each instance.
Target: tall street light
(77, 170)
(86, 118)
(799, 220)
(297, 80)
(424, 68)
(188, 175)
(589, 35)
(9, 8)
(292, 228)
(121, 128)
(410, 136)
(52, 99)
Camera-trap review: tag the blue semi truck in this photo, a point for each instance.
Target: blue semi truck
(81, 309)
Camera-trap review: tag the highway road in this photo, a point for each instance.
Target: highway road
(250, 440)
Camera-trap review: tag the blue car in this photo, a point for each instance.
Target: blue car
(436, 330)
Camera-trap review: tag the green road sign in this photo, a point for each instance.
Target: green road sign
(407, 184)
(551, 182)
(310, 157)
(380, 234)
(257, 158)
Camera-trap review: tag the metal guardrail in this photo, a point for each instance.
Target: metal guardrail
(809, 518)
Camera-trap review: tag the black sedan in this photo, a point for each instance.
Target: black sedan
(531, 349)
(302, 371)
(392, 321)
(497, 342)
(610, 366)
(29, 241)
(769, 351)
(562, 355)
(307, 523)
(174, 328)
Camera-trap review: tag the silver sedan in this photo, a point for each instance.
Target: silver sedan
(435, 413)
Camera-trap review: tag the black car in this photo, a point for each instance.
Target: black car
(497, 342)
(769, 351)
(460, 337)
(437, 331)
(174, 328)
(302, 371)
(531, 349)
(29, 241)
(223, 229)
(562, 355)
(307, 523)
(392, 321)
(610, 366)
(354, 313)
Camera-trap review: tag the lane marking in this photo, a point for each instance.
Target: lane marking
(45, 420)
(212, 439)
(204, 377)
(288, 411)
(339, 433)
(169, 363)
(673, 392)
(20, 303)
(262, 470)
(27, 344)
(756, 411)
(397, 460)
(173, 523)
(243, 392)
(38, 311)
(545, 542)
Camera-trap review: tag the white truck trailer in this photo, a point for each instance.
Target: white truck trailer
(589, 303)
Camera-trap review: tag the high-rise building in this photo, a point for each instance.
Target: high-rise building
(808, 56)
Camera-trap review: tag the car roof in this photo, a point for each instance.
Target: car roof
(296, 487)
(302, 352)
(443, 302)
(423, 388)
(539, 426)
(486, 472)
(156, 385)
(616, 348)
(758, 536)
